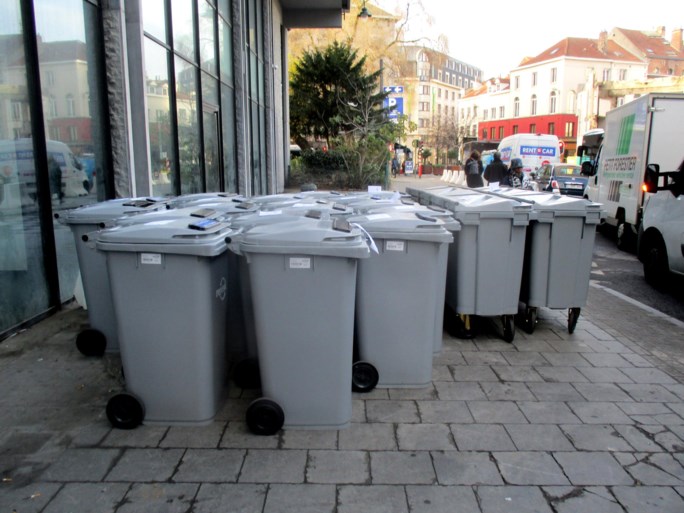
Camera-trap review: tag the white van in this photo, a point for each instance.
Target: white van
(17, 167)
(535, 150)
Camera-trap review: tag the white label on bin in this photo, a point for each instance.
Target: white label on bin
(395, 245)
(374, 189)
(300, 263)
(151, 258)
(375, 217)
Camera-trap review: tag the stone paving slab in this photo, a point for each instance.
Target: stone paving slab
(553, 422)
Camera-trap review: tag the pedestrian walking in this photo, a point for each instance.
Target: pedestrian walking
(496, 171)
(473, 170)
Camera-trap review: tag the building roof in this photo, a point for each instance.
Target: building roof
(582, 48)
(651, 44)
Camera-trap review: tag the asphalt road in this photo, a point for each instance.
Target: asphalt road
(621, 271)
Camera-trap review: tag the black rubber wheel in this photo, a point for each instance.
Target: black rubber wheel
(246, 374)
(656, 267)
(573, 316)
(364, 377)
(91, 342)
(624, 237)
(125, 411)
(527, 319)
(508, 323)
(460, 325)
(264, 417)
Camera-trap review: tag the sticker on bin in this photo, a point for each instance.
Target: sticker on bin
(150, 258)
(375, 217)
(395, 245)
(300, 263)
(270, 212)
(204, 224)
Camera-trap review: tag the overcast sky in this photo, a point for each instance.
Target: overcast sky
(495, 35)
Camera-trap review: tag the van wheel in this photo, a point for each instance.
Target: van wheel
(656, 268)
(624, 237)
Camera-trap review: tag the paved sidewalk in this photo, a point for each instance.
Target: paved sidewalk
(591, 422)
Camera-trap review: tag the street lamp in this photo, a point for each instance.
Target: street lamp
(364, 11)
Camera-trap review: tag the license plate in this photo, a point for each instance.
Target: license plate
(574, 186)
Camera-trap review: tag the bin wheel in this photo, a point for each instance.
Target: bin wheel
(125, 411)
(364, 377)
(508, 327)
(246, 374)
(573, 316)
(91, 342)
(264, 417)
(459, 325)
(528, 319)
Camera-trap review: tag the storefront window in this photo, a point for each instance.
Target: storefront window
(23, 286)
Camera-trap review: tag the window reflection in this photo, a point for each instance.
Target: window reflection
(159, 122)
(154, 14)
(207, 38)
(188, 140)
(23, 288)
(183, 34)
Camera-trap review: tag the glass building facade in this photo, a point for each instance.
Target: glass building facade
(103, 99)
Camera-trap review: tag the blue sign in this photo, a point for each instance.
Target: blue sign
(396, 106)
(538, 151)
(393, 89)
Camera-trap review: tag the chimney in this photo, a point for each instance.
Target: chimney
(660, 31)
(603, 41)
(677, 39)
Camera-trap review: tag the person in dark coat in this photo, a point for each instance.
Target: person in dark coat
(55, 176)
(496, 171)
(473, 170)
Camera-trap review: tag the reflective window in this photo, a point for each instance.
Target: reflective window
(154, 13)
(23, 287)
(183, 33)
(69, 49)
(207, 37)
(159, 118)
(188, 137)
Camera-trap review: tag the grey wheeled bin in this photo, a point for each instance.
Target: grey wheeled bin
(558, 253)
(484, 270)
(245, 370)
(450, 224)
(397, 299)
(102, 334)
(303, 282)
(169, 290)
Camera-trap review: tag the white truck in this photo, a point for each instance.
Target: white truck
(661, 235)
(646, 130)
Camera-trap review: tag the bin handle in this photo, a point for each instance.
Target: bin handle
(369, 240)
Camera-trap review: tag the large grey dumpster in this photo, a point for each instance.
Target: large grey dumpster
(397, 297)
(558, 254)
(169, 290)
(450, 224)
(102, 333)
(484, 272)
(303, 282)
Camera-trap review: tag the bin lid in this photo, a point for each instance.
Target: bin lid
(183, 236)
(105, 211)
(274, 216)
(470, 208)
(395, 224)
(548, 204)
(327, 237)
(220, 211)
(444, 215)
(187, 200)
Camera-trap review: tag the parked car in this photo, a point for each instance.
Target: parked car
(562, 178)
